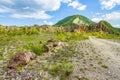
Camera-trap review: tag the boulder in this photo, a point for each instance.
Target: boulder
(52, 44)
(21, 58)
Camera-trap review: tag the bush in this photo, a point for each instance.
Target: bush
(21, 31)
(71, 36)
(84, 78)
(37, 49)
(32, 30)
(2, 30)
(63, 70)
(105, 66)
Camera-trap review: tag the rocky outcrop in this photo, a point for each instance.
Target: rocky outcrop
(22, 58)
(52, 44)
(100, 27)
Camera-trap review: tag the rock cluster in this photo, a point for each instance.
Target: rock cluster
(22, 58)
(52, 44)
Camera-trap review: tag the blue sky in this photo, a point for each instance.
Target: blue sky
(30, 12)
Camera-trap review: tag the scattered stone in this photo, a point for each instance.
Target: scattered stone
(54, 44)
(22, 58)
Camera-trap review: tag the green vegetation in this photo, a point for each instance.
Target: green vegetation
(108, 25)
(118, 29)
(105, 66)
(71, 36)
(68, 21)
(36, 48)
(20, 68)
(63, 70)
(84, 78)
(104, 36)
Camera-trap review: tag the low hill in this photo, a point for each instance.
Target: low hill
(74, 20)
(79, 22)
(118, 29)
(108, 25)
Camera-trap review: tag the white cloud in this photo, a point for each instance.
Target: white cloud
(4, 9)
(109, 4)
(33, 9)
(36, 9)
(66, 1)
(36, 15)
(77, 5)
(6, 1)
(117, 25)
(49, 4)
(96, 19)
(109, 17)
(98, 13)
(48, 23)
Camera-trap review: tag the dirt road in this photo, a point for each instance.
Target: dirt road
(100, 60)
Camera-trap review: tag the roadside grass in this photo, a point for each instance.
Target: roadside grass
(84, 78)
(71, 36)
(104, 36)
(105, 66)
(62, 70)
(60, 63)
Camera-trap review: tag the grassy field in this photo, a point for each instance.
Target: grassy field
(58, 64)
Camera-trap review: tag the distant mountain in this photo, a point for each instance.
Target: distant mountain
(118, 29)
(103, 27)
(75, 20)
(108, 25)
(82, 23)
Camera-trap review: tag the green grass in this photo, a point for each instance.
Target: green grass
(71, 36)
(60, 69)
(109, 26)
(20, 43)
(38, 49)
(59, 63)
(84, 78)
(105, 66)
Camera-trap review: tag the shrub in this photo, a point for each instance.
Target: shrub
(2, 30)
(105, 66)
(71, 36)
(37, 49)
(63, 70)
(84, 78)
(21, 31)
(34, 30)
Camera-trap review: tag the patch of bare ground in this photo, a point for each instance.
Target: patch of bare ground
(97, 59)
(92, 59)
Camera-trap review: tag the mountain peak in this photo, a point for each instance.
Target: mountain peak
(74, 20)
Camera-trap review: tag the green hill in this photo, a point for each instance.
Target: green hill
(79, 20)
(74, 21)
(118, 29)
(108, 25)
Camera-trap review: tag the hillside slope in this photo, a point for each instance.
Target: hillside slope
(82, 23)
(108, 25)
(74, 21)
(118, 29)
